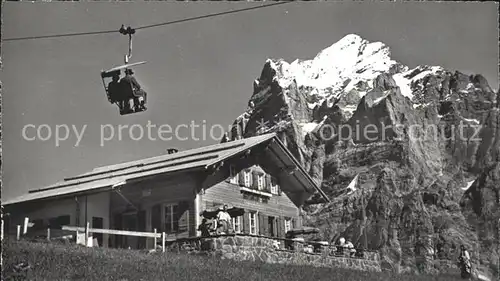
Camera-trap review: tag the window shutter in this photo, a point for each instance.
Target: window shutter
(265, 226)
(268, 183)
(277, 222)
(246, 222)
(281, 226)
(296, 223)
(260, 230)
(241, 176)
(255, 180)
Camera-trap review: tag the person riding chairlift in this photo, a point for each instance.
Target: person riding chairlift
(114, 91)
(132, 89)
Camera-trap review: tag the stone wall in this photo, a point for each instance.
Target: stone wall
(256, 248)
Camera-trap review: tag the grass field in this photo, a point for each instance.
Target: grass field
(70, 262)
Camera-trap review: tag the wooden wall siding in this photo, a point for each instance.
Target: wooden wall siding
(227, 193)
(219, 191)
(217, 184)
(257, 156)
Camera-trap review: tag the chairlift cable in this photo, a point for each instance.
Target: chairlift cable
(145, 26)
(215, 14)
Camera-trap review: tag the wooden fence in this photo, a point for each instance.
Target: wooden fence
(87, 230)
(23, 230)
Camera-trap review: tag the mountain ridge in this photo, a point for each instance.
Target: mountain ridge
(321, 109)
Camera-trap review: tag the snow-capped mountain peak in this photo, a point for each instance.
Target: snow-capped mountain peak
(351, 58)
(348, 67)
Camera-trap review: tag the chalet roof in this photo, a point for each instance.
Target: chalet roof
(198, 158)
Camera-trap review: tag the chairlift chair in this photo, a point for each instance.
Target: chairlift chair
(123, 97)
(107, 76)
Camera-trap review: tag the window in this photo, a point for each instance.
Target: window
(271, 226)
(237, 224)
(288, 225)
(248, 178)
(274, 186)
(261, 183)
(253, 223)
(171, 218)
(233, 175)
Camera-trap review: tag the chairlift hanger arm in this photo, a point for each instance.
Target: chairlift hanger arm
(128, 31)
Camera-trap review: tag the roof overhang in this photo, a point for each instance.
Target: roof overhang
(86, 188)
(295, 181)
(276, 159)
(273, 157)
(70, 191)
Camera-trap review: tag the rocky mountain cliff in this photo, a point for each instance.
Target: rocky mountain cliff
(424, 141)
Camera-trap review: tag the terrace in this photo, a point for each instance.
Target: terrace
(245, 247)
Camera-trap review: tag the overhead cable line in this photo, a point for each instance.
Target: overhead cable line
(145, 26)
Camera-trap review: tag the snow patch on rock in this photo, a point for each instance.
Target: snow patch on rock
(307, 127)
(406, 79)
(469, 184)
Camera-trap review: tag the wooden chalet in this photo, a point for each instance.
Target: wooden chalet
(169, 192)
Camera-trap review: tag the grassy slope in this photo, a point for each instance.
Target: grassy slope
(71, 262)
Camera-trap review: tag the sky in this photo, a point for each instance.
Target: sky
(197, 73)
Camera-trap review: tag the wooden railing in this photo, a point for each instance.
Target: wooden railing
(155, 235)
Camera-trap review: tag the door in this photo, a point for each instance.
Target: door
(130, 224)
(98, 223)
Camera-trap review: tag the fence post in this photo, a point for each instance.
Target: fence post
(163, 241)
(155, 240)
(25, 225)
(87, 234)
(18, 236)
(48, 233)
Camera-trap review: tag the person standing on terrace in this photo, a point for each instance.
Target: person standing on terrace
(224, 219)
(204, 228)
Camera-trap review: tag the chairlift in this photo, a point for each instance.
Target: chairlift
(125, 94)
